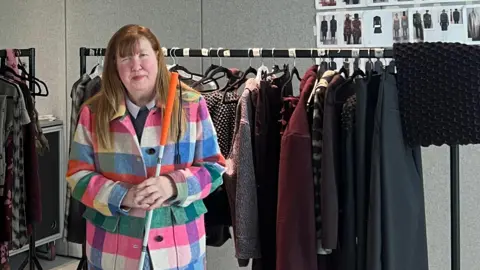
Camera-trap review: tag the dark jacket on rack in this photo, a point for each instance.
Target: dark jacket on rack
(296, 220)
(396, 230)
(267, 155)
(366, 100)
(331, 163)
(218, 218)
(74, 225)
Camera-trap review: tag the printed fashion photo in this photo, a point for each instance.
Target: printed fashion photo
(420, 24)
(333, 4)
(340, 28)
(400, 26)
(352, 29)
(328, 30)
(437, 24)
(388, 2)
(385, 27)
(472, 17)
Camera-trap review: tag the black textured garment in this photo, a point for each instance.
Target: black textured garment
(218, 218)
(438, 89)
(223, 116)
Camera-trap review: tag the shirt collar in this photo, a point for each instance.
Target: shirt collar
(134, 109)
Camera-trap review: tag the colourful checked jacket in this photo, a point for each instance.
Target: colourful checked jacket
(100, 178)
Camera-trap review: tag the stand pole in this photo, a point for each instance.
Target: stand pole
(455, 205)
(31, 258)
(82, 265)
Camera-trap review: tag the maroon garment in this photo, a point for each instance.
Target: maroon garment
(296, 241)
(289, 105)
(6, 206)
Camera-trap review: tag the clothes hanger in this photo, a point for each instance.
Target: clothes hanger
(276, 69)
(169, 67)
(294, 72)
(36, 81)
(356, 72)
(181, 70)
(208, 77)
(4, 80)
(332, 65)
(212, 65)
(218, 70)
(343, 71)
(241, 80)
(9, 72)
(97, 70)
(262, 70)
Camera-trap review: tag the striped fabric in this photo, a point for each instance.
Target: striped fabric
(99, 178)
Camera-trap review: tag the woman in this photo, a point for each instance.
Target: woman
(113, 159)
(396, 27)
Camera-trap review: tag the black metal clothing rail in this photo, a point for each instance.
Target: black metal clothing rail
(315, 53)
(256, 52)
(31, 258)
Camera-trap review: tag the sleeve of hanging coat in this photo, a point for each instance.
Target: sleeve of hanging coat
(205, 175)
(241, 184)
(88, 186)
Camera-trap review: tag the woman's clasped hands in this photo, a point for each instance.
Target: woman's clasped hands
(150, 194)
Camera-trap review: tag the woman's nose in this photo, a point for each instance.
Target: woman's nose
(136, 64)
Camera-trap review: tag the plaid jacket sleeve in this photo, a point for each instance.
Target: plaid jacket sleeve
(89, 187)
(205, 175)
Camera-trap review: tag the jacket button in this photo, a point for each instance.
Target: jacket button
(151, 151)
(159, 238)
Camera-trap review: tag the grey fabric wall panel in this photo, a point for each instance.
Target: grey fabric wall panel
(436, 172)
(39, 24)
(252, 23)
(91, 23)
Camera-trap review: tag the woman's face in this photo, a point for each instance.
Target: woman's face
(139, 72)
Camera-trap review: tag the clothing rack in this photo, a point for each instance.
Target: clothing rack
(31, 258)
(313, 53)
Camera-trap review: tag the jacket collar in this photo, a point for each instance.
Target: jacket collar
(123, 109)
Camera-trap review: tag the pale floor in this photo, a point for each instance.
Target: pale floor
(218, 258)
(60, 263)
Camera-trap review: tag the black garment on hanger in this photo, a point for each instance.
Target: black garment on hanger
(397, 237)
(438, 107)
(267, 162)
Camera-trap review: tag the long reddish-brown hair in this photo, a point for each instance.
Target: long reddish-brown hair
(112, 92)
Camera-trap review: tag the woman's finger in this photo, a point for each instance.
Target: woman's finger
(147, 182)
(158, 203)
(147, 191)
(150, 199)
